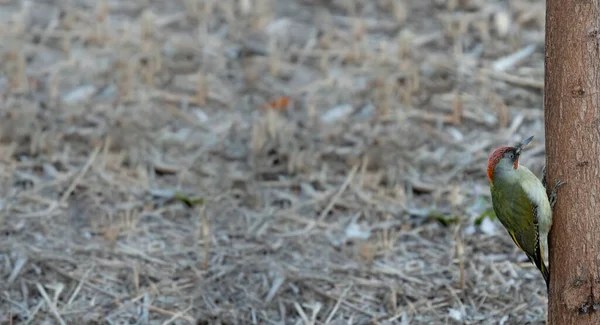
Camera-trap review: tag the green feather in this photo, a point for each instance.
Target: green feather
(518, 215)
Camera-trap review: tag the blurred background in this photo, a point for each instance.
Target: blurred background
(264, 161)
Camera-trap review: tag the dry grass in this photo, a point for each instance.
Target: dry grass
(316, 212)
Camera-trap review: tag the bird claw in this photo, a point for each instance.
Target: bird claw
(554, 194)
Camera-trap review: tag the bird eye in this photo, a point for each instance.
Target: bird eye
(510, 155)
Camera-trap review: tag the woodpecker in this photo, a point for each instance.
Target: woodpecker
(521, 203)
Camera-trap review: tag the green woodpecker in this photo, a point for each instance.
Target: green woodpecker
(521, 203)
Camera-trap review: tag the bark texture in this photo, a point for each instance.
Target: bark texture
(572, 116)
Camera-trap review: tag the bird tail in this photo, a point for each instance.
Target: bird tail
(538, 260)
(535, 257)
(545, 273)
(542, 266)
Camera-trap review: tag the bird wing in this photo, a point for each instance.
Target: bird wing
(520, 218)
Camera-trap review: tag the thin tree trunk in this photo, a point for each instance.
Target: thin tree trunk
(572, 96)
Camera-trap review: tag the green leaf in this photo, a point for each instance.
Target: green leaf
(190, 202)
(487, 213)
(444, 220)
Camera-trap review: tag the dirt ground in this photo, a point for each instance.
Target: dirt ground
(336, 152)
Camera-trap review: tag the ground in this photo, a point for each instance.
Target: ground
(336, 151)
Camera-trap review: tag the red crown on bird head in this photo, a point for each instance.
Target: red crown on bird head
(499, 153)
(495, 158)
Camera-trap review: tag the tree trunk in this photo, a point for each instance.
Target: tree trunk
(572, 96)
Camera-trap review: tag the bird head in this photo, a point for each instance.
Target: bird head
(505, 158)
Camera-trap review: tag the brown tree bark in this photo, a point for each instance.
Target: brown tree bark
(572, 116)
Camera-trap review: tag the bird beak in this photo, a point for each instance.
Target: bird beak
(523, 144)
